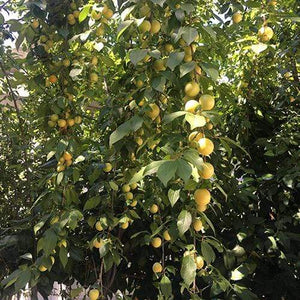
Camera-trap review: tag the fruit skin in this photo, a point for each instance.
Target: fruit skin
(100, 30)
(192, 89)
(237, 17)
(52, 78)
(195, 136)
(60, 168)
(154, 209)
(69, 162)
(207, 102)
(94, 61)
(197, 225)
(94, 294)
(126, 188)
(107, 13)
(98, 226)
(155, 27)
(35, 24)
(93, 77)
(66, 62)
(139, 141)
(145, 26)
(191, 106)
(199, 262)
(97, 244)
(129, 196)
(42, 268)
(78, 119)
(107, 168)
(169, 48)
(133, 186)
(125, 225)
(205, 146)
(67, 156)
(70, 122)
(207, 170)
(154, 112)
(166, 235)
(139, 83)
(202, 196)
(265, 33)
(157, 267)
(156, 242)
(202, 208)
(159, 65)
(51, 123)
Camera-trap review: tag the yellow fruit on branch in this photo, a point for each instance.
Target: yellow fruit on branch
(159, 65)
(139, 83)
(70, 122)
(154, 208)
(237, 17)
(129, 196)
(67, 156)
(145, 26)
(205, 146)
(107, 167)
(107, 13)
(154, 111)
(207, 102)
(97, 243)
(206, 171)
(69, 162)
(169, 48)
(197, 225)
(265, 33)
(191, 106)
(35, 24)
(96, 15)
(202, 208)
(192, 89)
(139, 141)
(125, 225)
(126, 188)
(199, 262)
(78, 119)
(202, 196)
(98, 226)
(93, 77)
(94, 294)
(66, 62)
(94, 60)
(133, 203)
(51, 123)
(166, 235)
(42, 268)
(76, 14)
(155, 27)
(52, 78)
(100, 30)
(157, 268)
(156, 242)
(62, 123)
(60, 168)
(133, 186)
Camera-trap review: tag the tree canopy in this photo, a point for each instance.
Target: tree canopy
(156, 152)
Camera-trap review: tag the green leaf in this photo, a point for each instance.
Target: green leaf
(136, 55)
(92, 203)
(188, 270)
(170, 117)
(194, 158)
(158, 83)
(258, 48)
(211, 70)
(207, 252)
(184, 170)
(75, 292)
(211, 32)
(84, 13)
(131, 125)
(63, 256)
(122, 27)
(173, 196)
(189, 34)
(166, 286)
(195, 120)
(49, 241)
(175, 59)
(244, 293)
(187, 68)
(230, 141)
(23, 279)
(166, 171)
(184, 221)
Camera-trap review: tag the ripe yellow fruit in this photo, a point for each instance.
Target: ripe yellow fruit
(154, 112)
(169, 48)
(133, 186)
(52, 78)
(43, 38)
(195, 136)
(237, 17)
(66, 62)
(197, 225)
(52, 259)
(191, 106)
(166, 235)
(133, 203)
(67, 156)
(78, 119)
(129, 196)
(96, 15)
(155, 27)
(107, 167)
(94, 61)
(107, 13)
(202, 196)
(51, 123)
(125, 225)
(205, 146)
(156, 242)
(94, 294)
(69, 162)
(42, 268)
(188, 58)
(207, 102)
(199, 262)
(198, 70)
(154, 208)
(76, 14)
(71, 19)
(98, 226)
(93, 77)
(159, 65)
(126, 188)
(97, 243)
(139, 141)
(202, 208)
(60, 168)
(35, 24)
(209, 126)
(70, 122)
(272, 2)
(207, 170)
(157, 267)
(62, 123)
(265, 33)
(192, 89)
(145, 26)
(62, 243)
(100, 30)
(139, 83)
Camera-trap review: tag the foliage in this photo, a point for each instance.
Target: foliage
(99, 166)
